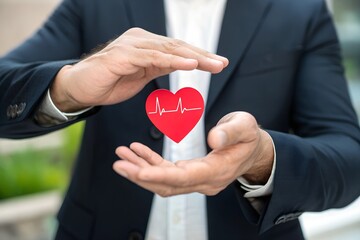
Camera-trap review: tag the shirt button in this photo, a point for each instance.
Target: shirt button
(155, 133)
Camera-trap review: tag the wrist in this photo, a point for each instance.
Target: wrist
(260, 172)
(60, 96)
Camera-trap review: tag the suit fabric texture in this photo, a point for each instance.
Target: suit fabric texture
(285, 69)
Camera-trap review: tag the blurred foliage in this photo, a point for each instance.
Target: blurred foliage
(352, 67)
(345, 7)
(32, 170)
(347, 20)
(71, 142)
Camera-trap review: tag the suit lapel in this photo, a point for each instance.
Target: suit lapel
(241, 20)
(150, 15)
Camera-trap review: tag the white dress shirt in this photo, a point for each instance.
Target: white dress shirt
(183, 217)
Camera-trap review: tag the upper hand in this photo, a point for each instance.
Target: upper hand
(240, 148)
(124, 67)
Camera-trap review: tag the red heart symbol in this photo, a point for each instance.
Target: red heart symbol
(175, 115)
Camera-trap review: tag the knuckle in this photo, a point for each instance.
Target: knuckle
(179, 42)
(250, 119)
(248, 122)
(172, 45)
(156, 60)
(142, 176)
(154, 54)
(134, 30)
(137, 177)
(227, 117)
(116, 50)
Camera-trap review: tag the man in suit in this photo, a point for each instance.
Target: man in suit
(282, 71)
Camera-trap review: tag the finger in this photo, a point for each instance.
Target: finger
(193, 173)
(132, 173)
(129, 59)
(167, 191)
(126, 169)
(167, 188)
(207, 61)
(141, 35)
(147, 154)
(127, 154)
(236, 127)
(143, 39)
(183, 173)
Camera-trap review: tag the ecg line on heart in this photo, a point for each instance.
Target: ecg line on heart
(161, 111)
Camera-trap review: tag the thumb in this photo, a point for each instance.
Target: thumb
(233, 128)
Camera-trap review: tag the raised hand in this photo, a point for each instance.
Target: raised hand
(124, 67)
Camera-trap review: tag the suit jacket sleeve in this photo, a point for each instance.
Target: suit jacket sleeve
(317, 167)
(27, 72)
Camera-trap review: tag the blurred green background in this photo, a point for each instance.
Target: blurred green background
(32, 170)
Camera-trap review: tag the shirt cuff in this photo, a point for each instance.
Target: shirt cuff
(48, 108)
(254, 191)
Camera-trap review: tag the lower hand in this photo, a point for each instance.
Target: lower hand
(240, 148)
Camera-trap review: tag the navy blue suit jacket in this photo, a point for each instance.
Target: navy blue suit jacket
(285, 69)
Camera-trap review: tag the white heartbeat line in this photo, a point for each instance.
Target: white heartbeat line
(161, 111)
